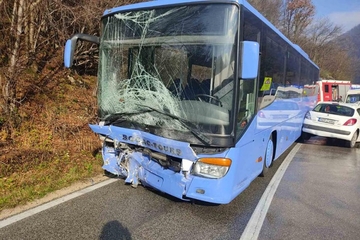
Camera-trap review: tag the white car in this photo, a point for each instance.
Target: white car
(281, 110)
(334, 120)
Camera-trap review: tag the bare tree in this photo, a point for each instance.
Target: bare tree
(9, 90)
(335, 63)
(325, 49)
(320, 34)
(34, 33)
(32, 36)
(271, 9)
(297, 15)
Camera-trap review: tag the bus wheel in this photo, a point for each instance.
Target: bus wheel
(269, 155)
(352, 142)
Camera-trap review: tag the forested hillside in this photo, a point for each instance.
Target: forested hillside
(45, 141)
(351, 41)
(296, 19)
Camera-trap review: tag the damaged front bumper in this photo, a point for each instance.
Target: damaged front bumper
(167, 165)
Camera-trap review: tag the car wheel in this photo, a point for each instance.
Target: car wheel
(352, 142)
(269, 156)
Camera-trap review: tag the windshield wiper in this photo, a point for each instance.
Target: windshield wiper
(187, 124)
(116, 117)
(119, 117)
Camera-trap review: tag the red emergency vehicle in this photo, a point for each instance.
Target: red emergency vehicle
(332, 90)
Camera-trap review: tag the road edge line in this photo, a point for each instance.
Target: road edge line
(7, 221)
(252, 229)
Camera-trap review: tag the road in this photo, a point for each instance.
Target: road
(317, 198)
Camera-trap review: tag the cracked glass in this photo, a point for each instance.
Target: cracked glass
(170, 71)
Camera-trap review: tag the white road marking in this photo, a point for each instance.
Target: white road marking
(251, 231)
(30, 212)
(253, 227)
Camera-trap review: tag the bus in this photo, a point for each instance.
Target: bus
(180, 91)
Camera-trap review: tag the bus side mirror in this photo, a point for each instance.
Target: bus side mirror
(69, 53)
(70, 47)
(249, 61)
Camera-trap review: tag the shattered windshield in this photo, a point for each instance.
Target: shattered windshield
(169, 69)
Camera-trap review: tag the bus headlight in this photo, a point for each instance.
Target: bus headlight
(211, 167)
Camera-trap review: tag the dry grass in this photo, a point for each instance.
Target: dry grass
(51, 146)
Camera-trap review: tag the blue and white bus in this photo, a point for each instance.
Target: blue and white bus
(185, 95)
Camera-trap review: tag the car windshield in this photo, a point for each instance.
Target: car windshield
(335, 109)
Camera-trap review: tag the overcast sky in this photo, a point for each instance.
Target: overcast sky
(345, 13)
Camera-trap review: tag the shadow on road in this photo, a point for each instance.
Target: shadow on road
(115, 230)
(327, 141)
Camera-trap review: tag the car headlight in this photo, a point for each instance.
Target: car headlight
(211, 167)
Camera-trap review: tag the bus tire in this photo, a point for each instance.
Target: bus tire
(269, 156)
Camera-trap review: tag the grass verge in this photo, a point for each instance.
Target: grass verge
(50, 146)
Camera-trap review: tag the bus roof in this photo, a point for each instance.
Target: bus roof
(168, 3)
(162, 3)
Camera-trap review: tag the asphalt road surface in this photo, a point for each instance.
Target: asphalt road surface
(319, 196)
(316, 198)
